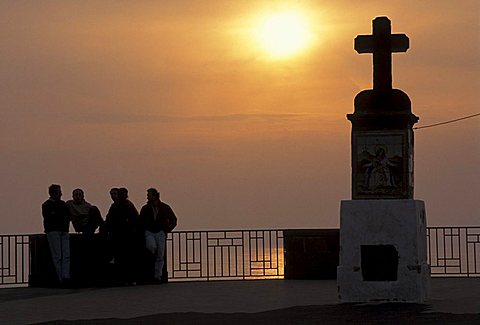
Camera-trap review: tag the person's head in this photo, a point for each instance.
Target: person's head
(152, 195)
(122, 194)
(55, 191)
(114, 194)
(78, 195)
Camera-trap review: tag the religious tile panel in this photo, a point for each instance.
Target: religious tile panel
(381, 165)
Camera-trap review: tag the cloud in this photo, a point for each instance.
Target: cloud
(134, 118)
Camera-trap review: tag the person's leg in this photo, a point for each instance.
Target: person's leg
(122, 258)
(130, 260)
(160, 239)
(65, 242)
(151, 246)
(116, 244)
(150, 242)
(54, 242)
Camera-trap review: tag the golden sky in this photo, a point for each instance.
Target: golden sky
(180, 95)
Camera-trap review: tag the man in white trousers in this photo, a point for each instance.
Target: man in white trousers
(156, 219)
(56, 222)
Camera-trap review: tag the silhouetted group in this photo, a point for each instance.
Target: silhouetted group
(129, 234)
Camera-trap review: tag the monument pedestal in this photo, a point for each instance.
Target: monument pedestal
(383, 251)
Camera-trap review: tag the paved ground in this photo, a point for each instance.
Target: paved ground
(453, 301)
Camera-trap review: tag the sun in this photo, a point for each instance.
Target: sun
(284, 34)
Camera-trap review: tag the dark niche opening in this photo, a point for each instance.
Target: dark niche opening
(379, 262)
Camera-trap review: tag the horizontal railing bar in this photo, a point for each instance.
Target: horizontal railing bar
(448, 258)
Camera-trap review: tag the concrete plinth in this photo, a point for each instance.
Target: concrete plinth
(383, 254)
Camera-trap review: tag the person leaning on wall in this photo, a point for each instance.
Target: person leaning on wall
(56, 223)
(156, 220)
(86, 218)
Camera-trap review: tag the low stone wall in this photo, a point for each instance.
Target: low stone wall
(311, 253)
(90, 265)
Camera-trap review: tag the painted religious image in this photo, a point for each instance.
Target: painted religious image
(379, 165)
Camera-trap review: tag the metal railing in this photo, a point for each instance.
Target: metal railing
(454, 251)
(14, 259)
(225, 255)
(253, 254)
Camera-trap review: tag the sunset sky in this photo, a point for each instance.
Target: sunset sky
(185, 96)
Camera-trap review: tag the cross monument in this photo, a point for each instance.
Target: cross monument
(382, 229)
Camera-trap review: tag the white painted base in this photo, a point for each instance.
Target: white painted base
(400, 223)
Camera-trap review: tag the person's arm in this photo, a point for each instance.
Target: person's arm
(46, 212)
(171, 221)
(108, 221)
(141, 219)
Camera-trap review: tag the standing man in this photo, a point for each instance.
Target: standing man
(56, 221)
(157, 219)
(121, 224)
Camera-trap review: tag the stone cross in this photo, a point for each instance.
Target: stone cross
(383, 236)
(382, 44)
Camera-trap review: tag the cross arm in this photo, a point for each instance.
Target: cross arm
(400, 43)
(364, 44)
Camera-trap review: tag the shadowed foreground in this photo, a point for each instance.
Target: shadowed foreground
(328, 314)
(453, 301)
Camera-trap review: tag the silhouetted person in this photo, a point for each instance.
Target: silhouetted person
(56, 221)
(86, 218)
(156, 220)
(121, 224)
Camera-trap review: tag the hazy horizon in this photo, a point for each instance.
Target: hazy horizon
(177, 95)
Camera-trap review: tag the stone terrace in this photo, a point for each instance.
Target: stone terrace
(453, 301)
